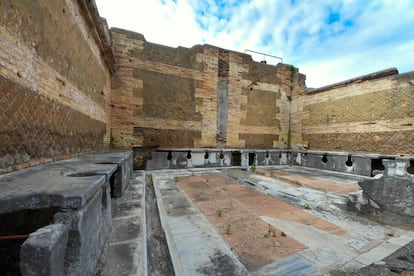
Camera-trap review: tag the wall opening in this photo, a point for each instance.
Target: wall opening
(221, 155)
(112, 184)
(377, 166)
(206, 155)
(252, 156)
(324, 158)
(304, 157)
(14, 230)
(410, 169)
(236, 158)
(349, 162)
(169, 156)
(189, 154)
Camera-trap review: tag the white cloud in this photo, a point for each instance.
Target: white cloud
(164, 22)
(361, 38)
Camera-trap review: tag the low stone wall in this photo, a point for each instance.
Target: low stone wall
(360, 164)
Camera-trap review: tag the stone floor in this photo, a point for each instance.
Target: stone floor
(277, 221)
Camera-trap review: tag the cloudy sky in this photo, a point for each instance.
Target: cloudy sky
(328, 40)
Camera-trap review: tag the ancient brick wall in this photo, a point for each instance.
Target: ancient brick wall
(372, 115)
(54, 81)
(198, 97)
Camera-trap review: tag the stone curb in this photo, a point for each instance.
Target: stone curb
(172, 248)
(144, 228)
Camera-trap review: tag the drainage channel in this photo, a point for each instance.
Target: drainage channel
(159, 260)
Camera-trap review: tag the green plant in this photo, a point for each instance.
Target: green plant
(227, 230)
(219, 213)
(253, 167)
(307, 206)
(283, 234)
(292, 69)
(271, 232)
(150, 180)
(175, 178)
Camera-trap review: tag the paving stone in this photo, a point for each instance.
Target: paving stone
(294, 265)
(126, 229)
(120, 260)
(123, 209)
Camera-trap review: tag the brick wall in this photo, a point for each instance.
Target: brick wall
(363, 115)
(60, 96)
(198, 97)
(54, 81)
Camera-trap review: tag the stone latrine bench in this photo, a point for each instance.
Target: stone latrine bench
(57, 216)
(343, 162)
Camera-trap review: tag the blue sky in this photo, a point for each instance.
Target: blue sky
(328, 40)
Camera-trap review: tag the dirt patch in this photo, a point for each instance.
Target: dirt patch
(236, 209)
(326, 186)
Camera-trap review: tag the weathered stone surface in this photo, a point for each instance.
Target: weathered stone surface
(388, 199)
(78, 192)
(65, 184)
(89, 232)
(43, 253)
(401, 262)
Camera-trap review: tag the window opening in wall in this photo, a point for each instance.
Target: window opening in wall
(169, 156)
(410, 169)
(189, 154)
(236, 158)
(252, 155)
(349, 160)
(206, 155)
(324, 158)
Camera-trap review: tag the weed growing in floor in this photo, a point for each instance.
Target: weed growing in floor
(253, 167)
(175, 178)
(307, 206)
(227, 230)
(283, 234)
(150, 182)
(271, 232)
(219, 213)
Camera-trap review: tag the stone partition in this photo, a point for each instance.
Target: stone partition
(197, 97)
(55, 66)
(371, 114)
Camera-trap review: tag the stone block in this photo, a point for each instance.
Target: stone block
(89, 230)
(43, 253)
(274, 157)
(159, 160)
(388, 199)
(78, 191)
